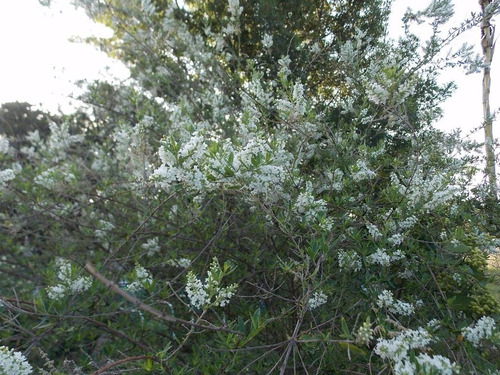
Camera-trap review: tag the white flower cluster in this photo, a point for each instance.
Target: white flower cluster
(257, 166)
(386, 300)
(383, 258)
(396, 349)
(425, 189)
(196, 292)
(69, 284)
(4, 145)
(362, 171)
(427, 365)
(209, 293)
(336, 179)
(53, 177)
(377, 93)
(374, 231)
(483, 329)
(318, 299)
(396, 239)
(142, 279)
(151, 246)
(179, 262)
(365, 333)
(104, 228)
(60, 140)
(307, 206)
(349, 260)
(5, 176)
(267, 41)
(13, 363)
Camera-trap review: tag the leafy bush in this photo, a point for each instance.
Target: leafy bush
(246, 221)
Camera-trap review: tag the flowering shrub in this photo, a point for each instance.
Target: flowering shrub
(347, 236)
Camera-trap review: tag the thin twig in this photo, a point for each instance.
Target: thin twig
(122, 361)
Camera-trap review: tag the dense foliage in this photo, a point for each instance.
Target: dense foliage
(266, 195)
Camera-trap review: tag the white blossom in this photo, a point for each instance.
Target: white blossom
(387, 300)
(179, 262)
(69, 284)
(196, 292)
(267, 41)
(397, 348)
(483, 329)
(143, 278)
(6, 176)
(13, 363)
(4, 145)
(151, 246)
(317, 299)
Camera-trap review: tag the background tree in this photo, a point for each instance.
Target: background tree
(487, 45)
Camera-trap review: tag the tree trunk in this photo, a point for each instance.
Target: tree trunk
(487, 44)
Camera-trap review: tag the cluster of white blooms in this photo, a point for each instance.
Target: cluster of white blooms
(209, 293)
(104, 228)
(13, 363)
(284, 64)
(317, 299)
(457, 278)
(426, 365)
(6, 176)
(483, 329)
(151, 246)
(408, 223)
(377, 93)
(383, 258)
(374, 231)
(349, 260)
(4, 145)
(386, 300)
(425, 189)
(396, 239)
(142, 279)
(60, 140)
(364, 333)
(336, 179)
(258, 165)
(397, 348)
(179, 262)
(307, 206)
(235, 10)
(69, 283)
(196, 292)
(267, 41)
(53, 177)
(294, 108)
(362, 171)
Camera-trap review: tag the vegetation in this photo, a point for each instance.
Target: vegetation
(266, 195)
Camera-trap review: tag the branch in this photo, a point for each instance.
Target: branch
(145, 307)
(121, 361)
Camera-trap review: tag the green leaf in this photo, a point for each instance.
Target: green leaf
(241, 325)
(457, 248)
(459, 302)
(346, 334)
(148, 365)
